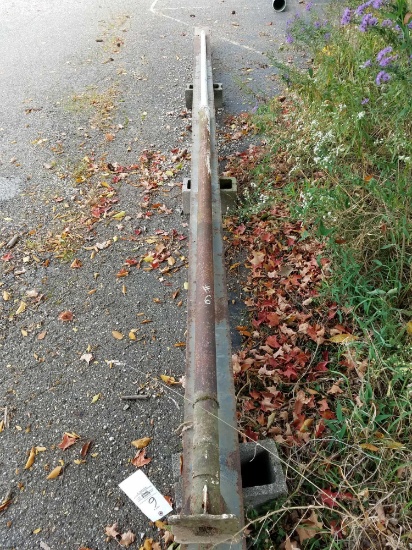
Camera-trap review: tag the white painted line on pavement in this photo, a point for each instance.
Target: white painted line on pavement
(160, 13)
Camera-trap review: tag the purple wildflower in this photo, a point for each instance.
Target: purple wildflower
(365, 100)
(368, 20)
(308, 6)
(289, 38)
(385, 61)
(409, 25)
(377, 4)
(360, 9)
(367, 63)
(327, 36)
(387, 23)
(382, 77)
(346, 16)
(383, 52)
(317, 24)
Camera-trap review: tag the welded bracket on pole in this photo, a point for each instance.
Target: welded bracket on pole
(212, 506)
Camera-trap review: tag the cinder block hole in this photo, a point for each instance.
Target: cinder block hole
(224, 183)
(258, 470)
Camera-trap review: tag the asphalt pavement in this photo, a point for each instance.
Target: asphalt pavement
(94, 144)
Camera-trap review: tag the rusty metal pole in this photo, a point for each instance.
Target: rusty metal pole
(208, 517)
(205, 490)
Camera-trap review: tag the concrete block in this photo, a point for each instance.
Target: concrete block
(228, 192)
(217, 92)
(189, 96)
(263, 479)
(177, 479)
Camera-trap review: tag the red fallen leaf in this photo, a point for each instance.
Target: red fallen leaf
(328, 497)
(311, 332)
(290, 373)
(321, 366)
(328, 415)
(251, 435)
(255, 394)
(66, 316)
(248, 405)
(272, 320)
(319, 429)
(131, 261)
(140, 459)
(85, 449)
(122, 273)
(272, 341)
(324, 405)
(7, 257)
(336, 528)
(169, 499)
(67, 441)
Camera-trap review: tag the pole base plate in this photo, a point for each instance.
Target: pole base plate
(205, 528)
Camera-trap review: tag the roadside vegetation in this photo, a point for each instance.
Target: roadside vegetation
(326, 363)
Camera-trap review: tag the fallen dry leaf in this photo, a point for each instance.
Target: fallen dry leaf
(140, 459)
(118, 335)
(21, 308)
(76, 263)
(85, 449)
(291, 544)
(41, 335)
(6, 503)
(87, 357)
(168, 379)
(66, 316)
(141, 443)
(369, 447)
(309, 527)
(67, 441)
(148, 544)
(30, 460)
(127, 539)
(168, 537)
(343, 338)
(96, 397)
(55, 473)
(111, 530)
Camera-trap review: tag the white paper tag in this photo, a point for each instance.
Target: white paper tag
(144, 494)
